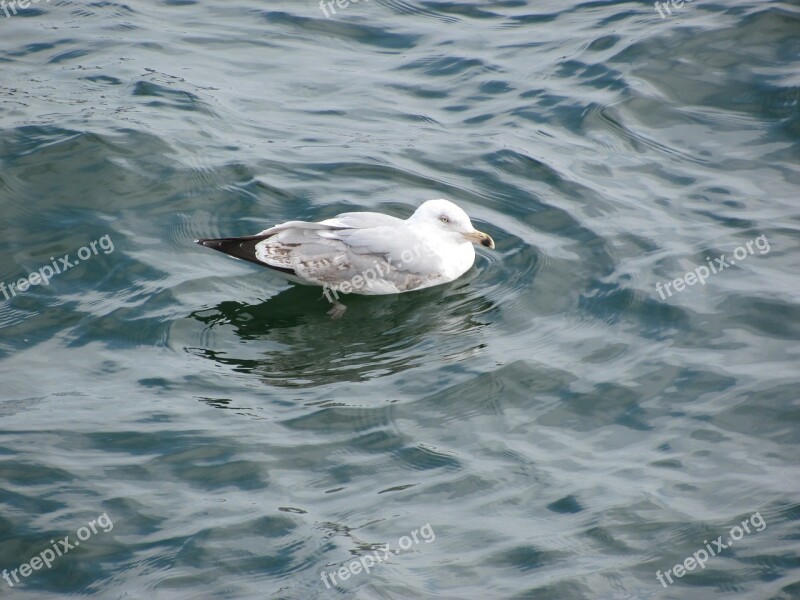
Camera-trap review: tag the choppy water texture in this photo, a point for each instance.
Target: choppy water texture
(555, 425)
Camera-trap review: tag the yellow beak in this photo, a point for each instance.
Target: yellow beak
(478, 237)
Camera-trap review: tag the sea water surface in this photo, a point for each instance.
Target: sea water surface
(588, 407)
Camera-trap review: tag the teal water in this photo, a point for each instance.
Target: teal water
(551, 426)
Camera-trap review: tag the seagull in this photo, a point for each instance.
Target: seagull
(365, 253)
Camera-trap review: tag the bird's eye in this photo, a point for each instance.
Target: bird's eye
(444, 219)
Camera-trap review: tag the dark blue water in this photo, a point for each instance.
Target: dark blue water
(605, 396)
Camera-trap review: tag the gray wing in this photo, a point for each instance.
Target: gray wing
(348, 220)
(371, 253)
(365, 220)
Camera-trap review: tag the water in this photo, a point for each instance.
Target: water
(552, 425)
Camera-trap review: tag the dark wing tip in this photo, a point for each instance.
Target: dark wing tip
(239, 247)
(243, 248)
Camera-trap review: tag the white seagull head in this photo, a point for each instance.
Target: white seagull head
(446, 216)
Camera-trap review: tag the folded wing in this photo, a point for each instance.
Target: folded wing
(369, 253)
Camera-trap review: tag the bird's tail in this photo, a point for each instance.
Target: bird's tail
(241, 247)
